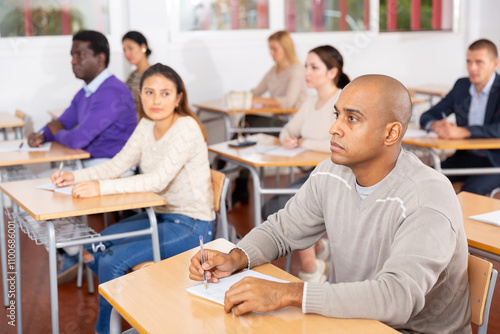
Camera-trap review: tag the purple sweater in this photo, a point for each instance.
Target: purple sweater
(101, 123)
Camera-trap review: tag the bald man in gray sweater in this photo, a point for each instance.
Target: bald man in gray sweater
(395, 228)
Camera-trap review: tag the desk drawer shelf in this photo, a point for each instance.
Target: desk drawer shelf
(66, 229)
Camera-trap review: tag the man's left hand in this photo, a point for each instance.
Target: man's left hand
(253, 294)
(86, 189)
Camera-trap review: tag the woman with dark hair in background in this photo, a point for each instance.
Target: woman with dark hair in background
(309, 128)
(136, 50)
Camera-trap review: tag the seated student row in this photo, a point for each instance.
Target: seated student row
(85, 189)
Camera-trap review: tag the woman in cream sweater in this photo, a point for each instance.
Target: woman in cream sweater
(170, 145)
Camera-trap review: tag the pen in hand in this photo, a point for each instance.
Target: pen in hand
(443, 115)
(203, 260)
(59, 170)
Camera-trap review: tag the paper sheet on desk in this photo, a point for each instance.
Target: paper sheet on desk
(12, 147)
(489, 218)
(216, 291)
(52, 187)
(273, 150)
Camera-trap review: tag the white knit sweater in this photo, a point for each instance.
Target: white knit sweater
(175, 166)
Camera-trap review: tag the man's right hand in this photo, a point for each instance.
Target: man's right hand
(36, 139)
(217, 264)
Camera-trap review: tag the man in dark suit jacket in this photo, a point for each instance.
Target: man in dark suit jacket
(475, 101)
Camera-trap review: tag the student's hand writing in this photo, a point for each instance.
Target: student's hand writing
(217, 264)
(290, 143)
(254, 294)
(447, 130)
(86, 189)
(62, 179)
(35, 139)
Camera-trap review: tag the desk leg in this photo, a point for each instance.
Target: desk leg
(256, 195)
(115, 322)
(3, 254)
(154, 234)
(54, 303)
(227, 124)
(19, 298)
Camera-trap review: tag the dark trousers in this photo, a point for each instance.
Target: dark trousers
(477, 184)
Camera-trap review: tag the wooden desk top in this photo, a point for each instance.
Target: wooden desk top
(55, 113)
(45, 205)
(57, 152)
(480, 235)
(305, 159)
(431, 89)
(457, 144)
(8, 120)
(220, 107)
(154, 300)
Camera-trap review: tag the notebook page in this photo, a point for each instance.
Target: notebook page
(216, 291)
(489, 218)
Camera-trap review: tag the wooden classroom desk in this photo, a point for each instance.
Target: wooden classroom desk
(154, 300)
(483, 238)
(431, 90)
(8, 120)
(255, 162)
(57, 152)
(47, 205)
(218, 108)
(429, 144)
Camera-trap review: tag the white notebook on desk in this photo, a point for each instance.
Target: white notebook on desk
(216, 291)
(490, 218)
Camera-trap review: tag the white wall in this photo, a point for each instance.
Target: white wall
(36, 72)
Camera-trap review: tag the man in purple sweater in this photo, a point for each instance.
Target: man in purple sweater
(102, 115)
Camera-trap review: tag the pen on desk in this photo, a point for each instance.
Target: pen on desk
(60, 169)
(203, 260)
(20, 146)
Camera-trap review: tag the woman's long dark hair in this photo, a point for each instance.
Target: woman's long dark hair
(331, 57)
(138, 38)
(183, 108)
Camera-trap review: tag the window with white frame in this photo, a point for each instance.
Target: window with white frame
(224, 14)
(25, 18)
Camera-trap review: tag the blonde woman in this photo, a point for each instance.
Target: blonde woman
(285, 80)
(285, 84)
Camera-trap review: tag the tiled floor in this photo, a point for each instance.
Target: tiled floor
(78, 309)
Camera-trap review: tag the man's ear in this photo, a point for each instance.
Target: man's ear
(101, 57)
(394, 131)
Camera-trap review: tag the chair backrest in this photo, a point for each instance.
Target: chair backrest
(21, 115)
(220, 186)
(482, 279)
(217, 185)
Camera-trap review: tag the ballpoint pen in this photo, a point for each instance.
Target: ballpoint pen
(443, 115)
(60, 169)
(203, 260)
(20, 146)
